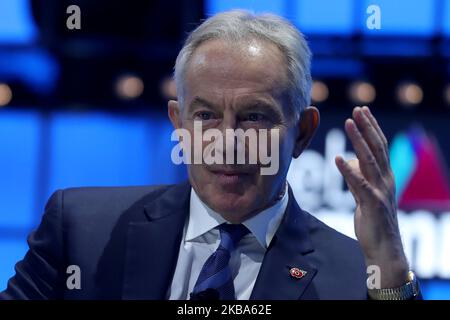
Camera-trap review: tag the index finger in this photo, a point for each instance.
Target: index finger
(375, 124)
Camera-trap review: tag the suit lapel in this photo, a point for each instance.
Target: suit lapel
(288, 249)
(153, 245)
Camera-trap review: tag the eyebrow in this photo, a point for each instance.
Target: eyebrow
(197, 101)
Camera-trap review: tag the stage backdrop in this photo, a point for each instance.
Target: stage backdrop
(43, 152)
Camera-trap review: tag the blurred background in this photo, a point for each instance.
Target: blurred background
(87, 107)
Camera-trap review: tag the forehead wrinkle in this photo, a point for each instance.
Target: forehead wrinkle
(220, 54)
(223, 72)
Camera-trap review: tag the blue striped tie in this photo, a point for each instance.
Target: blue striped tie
(215, 275)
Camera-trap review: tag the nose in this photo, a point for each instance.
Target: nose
(229, 120)
(229, 146)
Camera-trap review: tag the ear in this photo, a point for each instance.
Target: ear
(308, 124)
(174, 112)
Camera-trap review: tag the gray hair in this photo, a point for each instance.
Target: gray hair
(238, 25)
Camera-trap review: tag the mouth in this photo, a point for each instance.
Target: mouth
(229, 177)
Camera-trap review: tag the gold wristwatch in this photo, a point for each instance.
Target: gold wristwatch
(406, 292)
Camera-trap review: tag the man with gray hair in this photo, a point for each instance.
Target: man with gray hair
(230, 232)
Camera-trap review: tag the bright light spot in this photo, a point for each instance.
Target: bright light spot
(410, 94)
(5, 94)
(362, 92)
(319, 91)
(168, 88)
(129, 87)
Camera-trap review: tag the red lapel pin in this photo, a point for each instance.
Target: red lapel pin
(297, 273)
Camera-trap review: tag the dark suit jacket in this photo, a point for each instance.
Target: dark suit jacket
(126, 243)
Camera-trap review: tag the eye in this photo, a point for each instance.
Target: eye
(254, 117)
(204, 115)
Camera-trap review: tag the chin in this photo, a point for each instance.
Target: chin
(230, 204)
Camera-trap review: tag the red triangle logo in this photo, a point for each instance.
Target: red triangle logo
(428, 187)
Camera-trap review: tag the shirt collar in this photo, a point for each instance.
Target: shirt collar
(263, 226)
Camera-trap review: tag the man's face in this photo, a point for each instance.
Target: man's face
(237, 86)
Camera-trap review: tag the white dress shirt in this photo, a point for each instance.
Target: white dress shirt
(200, 239)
